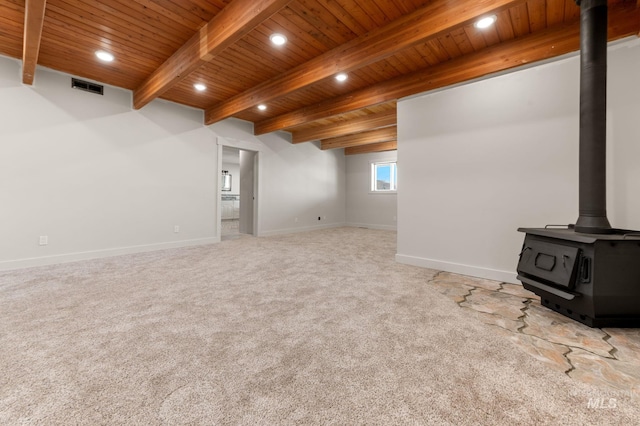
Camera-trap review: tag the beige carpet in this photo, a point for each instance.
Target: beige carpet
(312, 328)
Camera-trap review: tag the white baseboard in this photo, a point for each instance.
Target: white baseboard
(457, 268)
(373, 226)
(95, 254)
(285, 231)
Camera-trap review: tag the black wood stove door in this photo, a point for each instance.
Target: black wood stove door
(552, 263)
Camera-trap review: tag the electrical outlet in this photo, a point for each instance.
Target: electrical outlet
(176, 228)
(44, 240)
(324, 218)
(319, 218)
(295, 220)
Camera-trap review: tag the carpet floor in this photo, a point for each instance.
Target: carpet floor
(313, 328)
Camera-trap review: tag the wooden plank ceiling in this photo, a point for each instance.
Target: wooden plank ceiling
(389, 49)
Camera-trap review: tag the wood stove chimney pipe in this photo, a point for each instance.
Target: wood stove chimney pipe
(593, 118)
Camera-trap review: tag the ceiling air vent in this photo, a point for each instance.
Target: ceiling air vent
(87, 86)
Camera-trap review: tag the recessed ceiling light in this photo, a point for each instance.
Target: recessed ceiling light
(262, 107)
(200, 87)
(342, 77)
(485, 22)
(104, 56)
(278, 39)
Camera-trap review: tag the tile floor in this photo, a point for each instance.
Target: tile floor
(229, 229)
(607, 358)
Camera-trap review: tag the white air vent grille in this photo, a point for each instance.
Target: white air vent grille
(87, 86)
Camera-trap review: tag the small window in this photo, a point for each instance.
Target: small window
(384, 177)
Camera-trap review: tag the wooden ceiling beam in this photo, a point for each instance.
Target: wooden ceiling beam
(372, 147)
(438, 17)
(541, 45)
(33, 22)
(367, 122)
(385, 134)
(231, 24)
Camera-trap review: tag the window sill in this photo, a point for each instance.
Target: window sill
(383, 192)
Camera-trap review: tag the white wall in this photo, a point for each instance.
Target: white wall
(368, 209)
(297, 183)
(96, 176)
(99, 178)
(480, 160)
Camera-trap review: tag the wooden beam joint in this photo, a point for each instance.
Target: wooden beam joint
(231, 24)
(356, 125)
(373, 147)
(374, 136)
(427, 22)
(545, 44)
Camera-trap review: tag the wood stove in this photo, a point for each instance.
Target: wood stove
(588, 271)
(592, 278)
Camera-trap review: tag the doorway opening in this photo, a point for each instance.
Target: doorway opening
(237, 188)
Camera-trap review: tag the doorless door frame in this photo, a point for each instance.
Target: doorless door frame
(246, 146)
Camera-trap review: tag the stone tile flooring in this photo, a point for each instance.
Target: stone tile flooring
(229, 229)
(608, 358)
(229, 226)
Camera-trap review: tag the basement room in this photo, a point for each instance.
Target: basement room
(314, 212)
